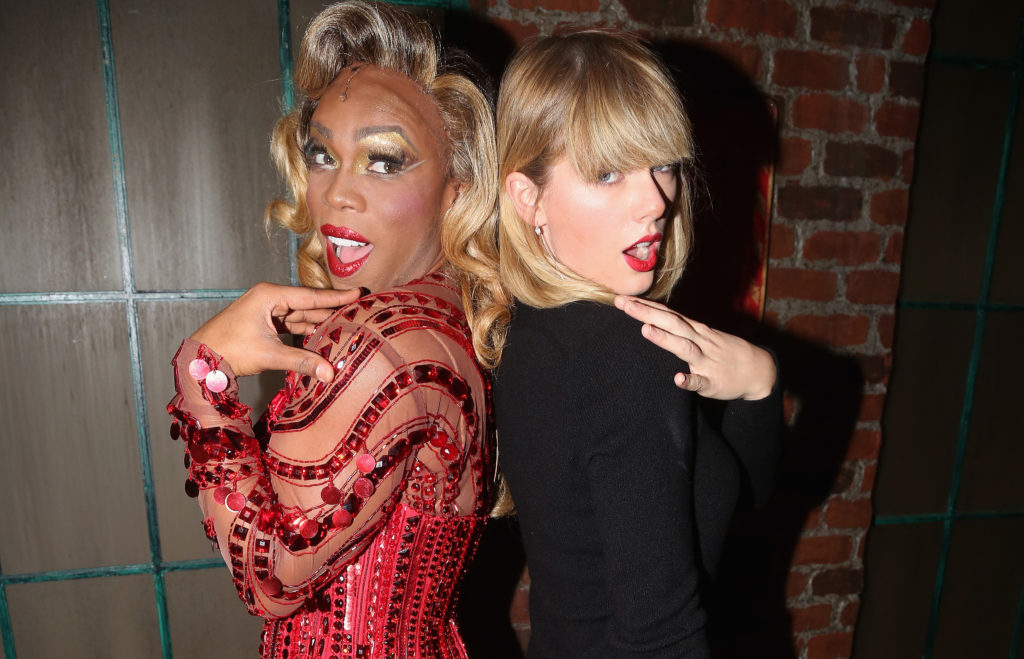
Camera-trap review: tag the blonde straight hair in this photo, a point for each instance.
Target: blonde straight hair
(605, 102)
(392, 39)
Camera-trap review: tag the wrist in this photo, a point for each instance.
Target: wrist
(765, 375)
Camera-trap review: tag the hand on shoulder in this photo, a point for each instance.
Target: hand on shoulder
(722, 366)
(246, 332)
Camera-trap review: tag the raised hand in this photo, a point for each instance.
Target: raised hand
(722, 366)
(246, 332)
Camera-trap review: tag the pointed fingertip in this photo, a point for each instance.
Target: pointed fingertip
(620, 301)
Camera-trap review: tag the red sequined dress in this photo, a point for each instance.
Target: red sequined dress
(348, 515)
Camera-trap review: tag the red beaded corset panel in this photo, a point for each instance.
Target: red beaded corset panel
(351, 510)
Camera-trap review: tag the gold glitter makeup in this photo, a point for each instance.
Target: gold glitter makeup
(386, 153)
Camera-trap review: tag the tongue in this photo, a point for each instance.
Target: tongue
(350, 254)
(639, 252)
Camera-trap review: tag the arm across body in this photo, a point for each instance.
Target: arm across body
(740, 379)
(293, 501)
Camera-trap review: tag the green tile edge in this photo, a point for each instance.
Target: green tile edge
(981, 311)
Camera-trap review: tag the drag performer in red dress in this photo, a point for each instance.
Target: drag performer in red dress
(349, 512)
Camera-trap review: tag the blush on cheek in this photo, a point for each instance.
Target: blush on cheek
(411, 208)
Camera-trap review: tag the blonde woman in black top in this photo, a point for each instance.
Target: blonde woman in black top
(623, 489)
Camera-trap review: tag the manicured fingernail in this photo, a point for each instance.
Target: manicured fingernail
(363, 291)
(324, 373)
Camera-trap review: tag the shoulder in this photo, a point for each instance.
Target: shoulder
(592, 349)
(392, 340)
(575, 323)
(414, 316)
(599, 334)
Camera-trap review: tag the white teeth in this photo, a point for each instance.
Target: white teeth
(641, 251)
(345, 242)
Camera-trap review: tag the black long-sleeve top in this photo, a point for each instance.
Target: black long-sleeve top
(624, 491)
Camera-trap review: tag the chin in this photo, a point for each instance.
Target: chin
(635, 288)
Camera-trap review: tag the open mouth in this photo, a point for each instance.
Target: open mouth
(347, 250)
(643, 254)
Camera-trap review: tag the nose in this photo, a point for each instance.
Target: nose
(342, 191)
(649, 199)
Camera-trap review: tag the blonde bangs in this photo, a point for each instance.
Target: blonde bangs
(624, 118)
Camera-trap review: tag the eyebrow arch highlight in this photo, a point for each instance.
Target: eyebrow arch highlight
(375, 130)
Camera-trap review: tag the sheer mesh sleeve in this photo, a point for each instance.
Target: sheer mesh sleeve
(292, 501)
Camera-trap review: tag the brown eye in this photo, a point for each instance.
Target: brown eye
(316, 155)
(385, 164)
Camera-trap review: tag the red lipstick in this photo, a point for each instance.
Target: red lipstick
(347, 250)
(643, 254)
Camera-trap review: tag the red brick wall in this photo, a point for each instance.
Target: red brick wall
(847, 80)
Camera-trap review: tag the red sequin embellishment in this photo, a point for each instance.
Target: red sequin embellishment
(216, 381)
(365, 463)
(271, 586)
(341, 519)
(393, 579)
(235, 501)
(330, 495)
(221, 494)
(363, 488)
(308, 529)
(198, 368)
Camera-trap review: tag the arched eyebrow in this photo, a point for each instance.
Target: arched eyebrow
(322, 129)
(374, 130)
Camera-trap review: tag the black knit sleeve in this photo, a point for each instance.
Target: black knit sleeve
(637, 466)
(753, 428)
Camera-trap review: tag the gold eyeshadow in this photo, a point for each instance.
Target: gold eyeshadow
(390, 149)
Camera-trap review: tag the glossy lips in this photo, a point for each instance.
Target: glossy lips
(643, 254)
(347, 250)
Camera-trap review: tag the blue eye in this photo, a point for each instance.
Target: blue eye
(609, 177)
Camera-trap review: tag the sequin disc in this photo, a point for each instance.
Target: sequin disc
(365, 463)
(216, 381)
(308, 529)
(341, 519)
(330, 495)
(235, 501)
(363, 488)
(220, 494)
(271, 586)
(198, 369)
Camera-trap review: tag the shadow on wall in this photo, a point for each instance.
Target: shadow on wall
(736, 137)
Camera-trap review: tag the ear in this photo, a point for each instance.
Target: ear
(452, 190)
(524, 193)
